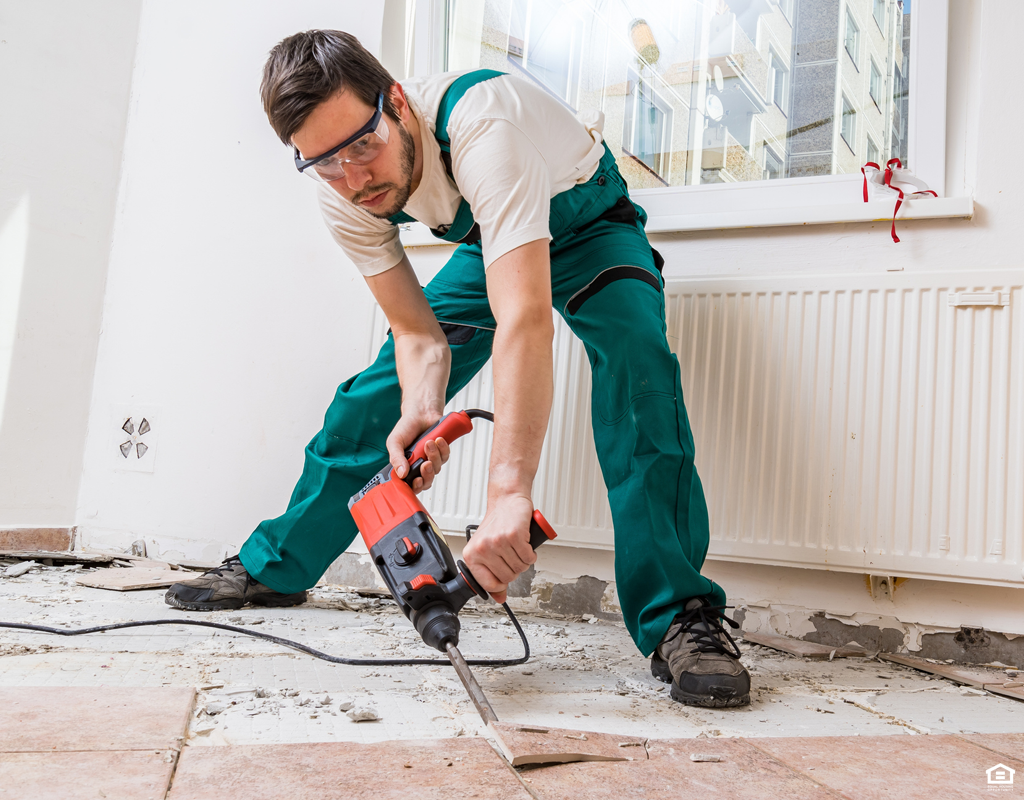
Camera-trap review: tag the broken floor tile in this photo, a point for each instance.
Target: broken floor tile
(140, 775)
(798, 647)
(446, 769)
(743, 773)
(876, 767)
(125, 579)
(531, 744)
(65, 718)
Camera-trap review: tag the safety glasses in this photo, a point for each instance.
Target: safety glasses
(359, 149)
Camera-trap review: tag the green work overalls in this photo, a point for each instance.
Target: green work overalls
(606, 286)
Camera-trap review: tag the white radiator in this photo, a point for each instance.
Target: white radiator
(861, 424)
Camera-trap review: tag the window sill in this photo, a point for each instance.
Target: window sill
(418, 235)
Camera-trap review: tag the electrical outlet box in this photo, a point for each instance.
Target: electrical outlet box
(134, 437)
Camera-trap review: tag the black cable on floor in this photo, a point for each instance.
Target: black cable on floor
(365, 662)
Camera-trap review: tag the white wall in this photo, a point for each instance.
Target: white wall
(230, 316)
(67, 70)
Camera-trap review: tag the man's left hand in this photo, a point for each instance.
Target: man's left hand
(500, 549)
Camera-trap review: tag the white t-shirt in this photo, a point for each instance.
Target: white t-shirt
(514, 147)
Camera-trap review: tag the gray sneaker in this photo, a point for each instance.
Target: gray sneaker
(228, 586)
(701, 660)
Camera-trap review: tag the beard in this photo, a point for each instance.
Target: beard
(407, 158)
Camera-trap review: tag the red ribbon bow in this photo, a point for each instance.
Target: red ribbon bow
(887, 180)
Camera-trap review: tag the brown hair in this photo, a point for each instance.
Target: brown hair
(305, 69)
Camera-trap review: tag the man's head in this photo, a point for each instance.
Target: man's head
(321, 88)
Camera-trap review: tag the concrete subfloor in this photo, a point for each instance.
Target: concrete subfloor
(583, 675)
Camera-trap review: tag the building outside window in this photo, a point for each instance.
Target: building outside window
(848, 129)
(772, 164)
(691, 91)
(779, 80)
(851, 39)
(873, 154)
(875, 89)
(878, 12)
(646, 124)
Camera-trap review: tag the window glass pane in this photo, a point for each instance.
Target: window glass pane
(698, 91)
(852, 36)
(872, 154)
(879, 13)
(849, 124)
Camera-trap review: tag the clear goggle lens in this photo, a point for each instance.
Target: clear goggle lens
(360, 152)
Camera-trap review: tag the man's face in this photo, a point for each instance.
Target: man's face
(383, 186)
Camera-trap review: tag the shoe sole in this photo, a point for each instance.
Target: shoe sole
(707, 701)
(233, 605)
(660, 670)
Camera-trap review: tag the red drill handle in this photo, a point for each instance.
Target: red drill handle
(450, 427)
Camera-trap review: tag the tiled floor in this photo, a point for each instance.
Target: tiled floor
(252, 694)
(64, 743)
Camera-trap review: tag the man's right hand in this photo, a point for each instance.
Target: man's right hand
(406, 432)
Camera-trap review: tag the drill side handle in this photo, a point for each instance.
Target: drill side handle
(540, 532)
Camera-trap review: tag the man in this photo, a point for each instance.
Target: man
(543, 218)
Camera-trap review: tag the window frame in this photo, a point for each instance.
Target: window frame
(844, 103)
(786, 201)
(873, 70)
(850, 20)
(885, 13)
(775, 66)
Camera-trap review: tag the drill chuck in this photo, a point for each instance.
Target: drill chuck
(438, 624)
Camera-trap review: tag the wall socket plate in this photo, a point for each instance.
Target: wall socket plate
(133, 437)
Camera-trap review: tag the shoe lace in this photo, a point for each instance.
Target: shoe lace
(228, 564)
(711, 636)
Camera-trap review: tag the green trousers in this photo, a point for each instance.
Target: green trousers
(605, 286)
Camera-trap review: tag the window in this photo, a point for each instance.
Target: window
(772, 164)
(852, 37)
(873, 155)
(647, 126)
(878, 11)
(848, 129)
(778, 77)
(545, 40)
(875, 87)
(689, 96)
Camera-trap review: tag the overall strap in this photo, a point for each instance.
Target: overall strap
(463, 227)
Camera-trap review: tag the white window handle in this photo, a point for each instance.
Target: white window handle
(979, 298)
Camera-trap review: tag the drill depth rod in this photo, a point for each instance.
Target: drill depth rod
(476, 694)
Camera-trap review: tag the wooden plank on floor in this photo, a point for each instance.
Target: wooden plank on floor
(742, 773)
(126, 579)
(799, 647)
(963, 675)
(445, 769)
(66, 718)
(139, 775)
(904, 767)
(526, 744)
(56, 556)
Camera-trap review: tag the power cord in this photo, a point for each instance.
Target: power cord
(366, 662)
